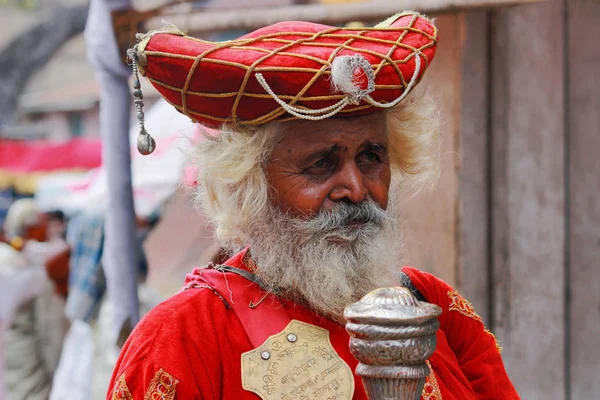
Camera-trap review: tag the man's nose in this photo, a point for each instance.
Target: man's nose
(349, 184)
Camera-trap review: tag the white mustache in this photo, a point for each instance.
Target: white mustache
(336, 222)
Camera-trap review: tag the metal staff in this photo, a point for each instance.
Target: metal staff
(392, 335)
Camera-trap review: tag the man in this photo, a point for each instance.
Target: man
(57, 224)
(35, 327)
(303, 183)
(25, 222)
(18, 284)
(57, 262)
(38, 236)
(91, 346)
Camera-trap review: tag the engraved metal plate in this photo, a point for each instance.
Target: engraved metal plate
(302, 365)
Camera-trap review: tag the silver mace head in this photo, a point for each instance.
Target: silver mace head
(392, 335)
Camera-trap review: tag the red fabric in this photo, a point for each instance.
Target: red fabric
(469, 345)
(237, 291)
(199, 341)
(57, 268)
(169, 71)
(45, 156)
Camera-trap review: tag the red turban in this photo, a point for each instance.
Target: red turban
(289, 70)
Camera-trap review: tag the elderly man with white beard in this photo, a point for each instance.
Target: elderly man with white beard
(316, 214)
(303, 182)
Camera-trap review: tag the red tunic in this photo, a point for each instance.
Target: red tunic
(190, 346)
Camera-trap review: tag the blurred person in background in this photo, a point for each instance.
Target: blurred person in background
(90, 350)
(18, 284)
(25, 222)
(35, 325)
(39, 236)
(57, 225)
(57, 263)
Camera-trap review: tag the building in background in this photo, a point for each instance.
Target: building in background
(61, 100)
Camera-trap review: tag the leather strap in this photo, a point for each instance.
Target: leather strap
(260, 312)
(242, 272)
(267, 318)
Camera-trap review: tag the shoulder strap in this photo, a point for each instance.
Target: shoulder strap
(260, 312)
(407, 283)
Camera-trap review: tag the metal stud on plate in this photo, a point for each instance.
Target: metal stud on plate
(265, 355)
(292, 338)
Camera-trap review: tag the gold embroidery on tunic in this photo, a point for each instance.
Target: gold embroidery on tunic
(431, 390)
(462, 305)
(120, 390)
(162, 386)
(495, 339)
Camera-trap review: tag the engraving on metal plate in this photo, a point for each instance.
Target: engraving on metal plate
(308, 368)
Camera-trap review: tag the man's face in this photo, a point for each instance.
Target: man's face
(328, 236)
(318, 164)
(55, 228)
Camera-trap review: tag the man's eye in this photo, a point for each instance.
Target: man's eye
(321, 168)
(321, 164)
(369, 157)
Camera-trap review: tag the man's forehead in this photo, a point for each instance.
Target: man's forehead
(367, 128)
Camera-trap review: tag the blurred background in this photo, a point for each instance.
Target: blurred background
(96, 234)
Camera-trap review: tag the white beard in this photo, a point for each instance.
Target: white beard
(324, 263)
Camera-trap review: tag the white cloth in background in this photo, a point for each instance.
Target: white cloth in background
(90, 353)
(74, 375)
(18, 284)
(33, 344)
(118, 4)
(3, 395)
(119, 258)
(33, 327)
(38, 253)
(103, 51)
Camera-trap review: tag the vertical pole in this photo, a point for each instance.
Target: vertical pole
(119, 259)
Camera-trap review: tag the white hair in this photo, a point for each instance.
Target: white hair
(322, 262)
(232, 183)
(22, 214)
